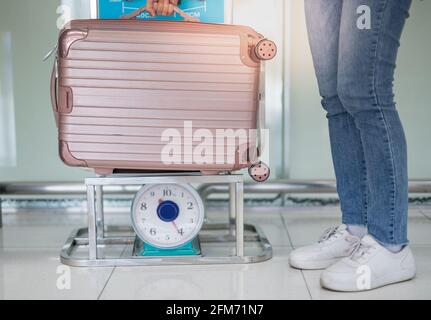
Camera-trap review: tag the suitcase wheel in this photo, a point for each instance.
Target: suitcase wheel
(259, 172)
(266, 49)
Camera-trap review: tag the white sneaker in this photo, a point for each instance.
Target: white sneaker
(335, 244)
(369, 266)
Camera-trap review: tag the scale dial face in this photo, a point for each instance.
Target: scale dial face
(167, 216)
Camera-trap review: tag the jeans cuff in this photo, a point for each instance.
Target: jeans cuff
(353, 220)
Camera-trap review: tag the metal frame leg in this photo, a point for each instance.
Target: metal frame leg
(283, 199)
(92, 228)
(1, 215)
(239, 204)
(232, 207)
(100, 217)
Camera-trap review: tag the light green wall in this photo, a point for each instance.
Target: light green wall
(34, 33)
(413, 86)
(309, 146)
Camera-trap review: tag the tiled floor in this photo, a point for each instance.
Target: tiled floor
(30, 267)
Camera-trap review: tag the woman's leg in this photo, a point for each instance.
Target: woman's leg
(323, 23)
(367, 57)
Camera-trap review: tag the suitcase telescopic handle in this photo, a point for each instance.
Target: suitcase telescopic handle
(136, 13)
(261, 119)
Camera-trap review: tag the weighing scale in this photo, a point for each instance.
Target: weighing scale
(168, 226)
(167, 219)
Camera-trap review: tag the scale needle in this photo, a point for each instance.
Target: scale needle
(176, 227)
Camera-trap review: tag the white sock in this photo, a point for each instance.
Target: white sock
(357, 230)
(394, 248)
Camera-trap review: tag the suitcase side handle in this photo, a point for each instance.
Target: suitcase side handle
(54, 100)
(136, 13)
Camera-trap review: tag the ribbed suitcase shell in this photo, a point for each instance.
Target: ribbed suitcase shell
(122, 83)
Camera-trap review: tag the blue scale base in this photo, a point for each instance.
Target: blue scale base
(193, 248)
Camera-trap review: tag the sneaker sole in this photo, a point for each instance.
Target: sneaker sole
(385, 283)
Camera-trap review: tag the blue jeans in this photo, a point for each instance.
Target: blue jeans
(354, 59)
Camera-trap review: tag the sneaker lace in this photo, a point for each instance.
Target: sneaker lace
(358, 249)
(328, 233)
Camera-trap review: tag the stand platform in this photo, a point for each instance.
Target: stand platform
(100, 246)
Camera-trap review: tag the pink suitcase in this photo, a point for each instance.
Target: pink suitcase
(118, 85)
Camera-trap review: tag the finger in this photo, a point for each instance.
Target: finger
(150, 7)
(166, 7)
(174, 2)
(170, 9)
(159, 8)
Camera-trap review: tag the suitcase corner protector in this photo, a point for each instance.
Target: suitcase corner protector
(67, 38)
(67, 157)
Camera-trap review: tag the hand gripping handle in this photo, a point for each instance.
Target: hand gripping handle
(136, 13)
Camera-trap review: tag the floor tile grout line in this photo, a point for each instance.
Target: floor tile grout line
(291, 242)
(106, 283)
(110, 276)
(306, 285)
(425, 215)
(293, 246)
(287, 231)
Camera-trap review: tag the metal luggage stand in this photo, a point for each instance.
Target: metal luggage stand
(222, 243)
